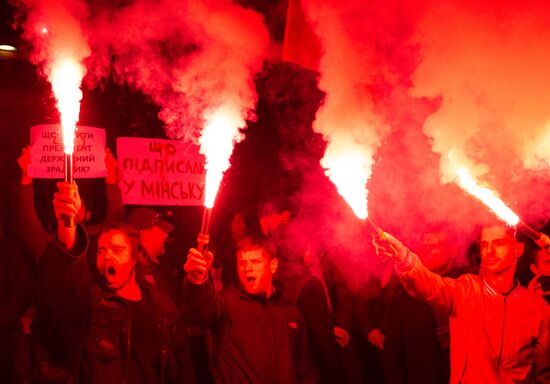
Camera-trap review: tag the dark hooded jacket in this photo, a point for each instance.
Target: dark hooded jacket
(256, 339)
(85, 331)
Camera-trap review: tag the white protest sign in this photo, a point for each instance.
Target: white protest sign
(160, 172)
(48, 158)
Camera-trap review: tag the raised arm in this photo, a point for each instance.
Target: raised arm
(200, 305)
(30, 227)
(64, 286)
(66, 203)
(418, 280)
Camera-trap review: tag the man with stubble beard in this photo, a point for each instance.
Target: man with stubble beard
(99, 322)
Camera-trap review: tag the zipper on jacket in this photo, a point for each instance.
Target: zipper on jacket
(501, 339)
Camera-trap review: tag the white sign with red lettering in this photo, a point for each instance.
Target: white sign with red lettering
(48, 158)
(160, 172)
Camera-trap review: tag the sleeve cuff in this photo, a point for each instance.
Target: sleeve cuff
(197, 280)
(406, 264)
(81, 245)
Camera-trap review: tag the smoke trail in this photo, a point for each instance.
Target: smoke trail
(191, 57)
(235, 42)
(487, 61)
(347, 119)
(59, 48)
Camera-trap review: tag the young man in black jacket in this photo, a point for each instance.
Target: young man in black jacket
(258, 337)
(96, 320)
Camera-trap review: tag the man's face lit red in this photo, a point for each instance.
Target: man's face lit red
(256, 271)
(114, 259)
(436, 252)
(499, 249)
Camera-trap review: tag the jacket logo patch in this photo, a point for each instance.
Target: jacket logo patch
(293, 325)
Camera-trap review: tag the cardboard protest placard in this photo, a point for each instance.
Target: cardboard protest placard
(48, 158)
(160, 172)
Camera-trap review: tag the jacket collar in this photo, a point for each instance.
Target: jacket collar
(163, 305)
(492, 291)
(262, 297)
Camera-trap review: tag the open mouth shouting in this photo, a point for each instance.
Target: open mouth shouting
(250, 279)
(111, 272)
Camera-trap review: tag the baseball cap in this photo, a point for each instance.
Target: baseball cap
(142, 218)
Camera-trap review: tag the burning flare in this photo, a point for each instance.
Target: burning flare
(487, 196)
(349, 169)
(348, 118)
(219, 136)
(66, 77)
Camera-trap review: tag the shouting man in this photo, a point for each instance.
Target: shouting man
(98, 321)
(258, 337)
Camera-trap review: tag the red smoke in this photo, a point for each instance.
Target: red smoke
(424, 79)
(189, 56)
(465, 76)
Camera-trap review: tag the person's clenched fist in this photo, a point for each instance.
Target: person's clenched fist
(197, 265)
(66, 201)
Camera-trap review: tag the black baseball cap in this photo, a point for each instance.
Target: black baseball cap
(142, 218)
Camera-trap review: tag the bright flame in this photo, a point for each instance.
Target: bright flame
(218, 138)
(66, 76)
(488, 197)
(8, 48)
(349, 170)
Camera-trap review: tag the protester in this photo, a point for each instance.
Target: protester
(257, 336)
(99, 322)
(304, 290)
(301, 287)
(540, 266)
(499, 330)
(343, 304)
(30, 227)
(413, 336)
(225, 256)
(16, 294)
(153, 232)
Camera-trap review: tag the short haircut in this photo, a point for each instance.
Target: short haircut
(254, 242)
(509, 230)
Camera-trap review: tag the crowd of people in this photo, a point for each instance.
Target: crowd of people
(87, 302)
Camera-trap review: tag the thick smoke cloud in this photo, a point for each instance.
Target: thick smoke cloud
(347, 119)
(59, 48)
(453, 80)
(55, 30)
(190, 57)
(487, 62)
(366, 62)
(409, 85)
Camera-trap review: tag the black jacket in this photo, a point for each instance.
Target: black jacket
(86, 329)
(256, 339)
(307, 293)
